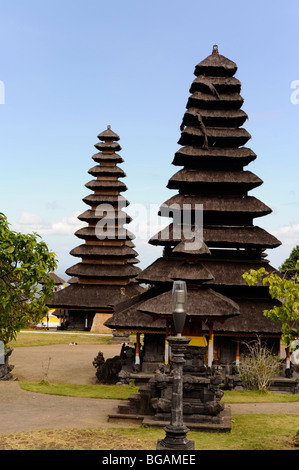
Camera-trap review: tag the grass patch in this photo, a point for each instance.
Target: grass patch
(249, 432)
(255, 396)
(122, 392)
(46, 338)
(117, 392)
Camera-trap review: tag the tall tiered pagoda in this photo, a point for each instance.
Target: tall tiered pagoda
(212, 156)
(106, 273)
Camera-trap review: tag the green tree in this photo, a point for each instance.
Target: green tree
(287, 292)
(289, 266)
(25, 260)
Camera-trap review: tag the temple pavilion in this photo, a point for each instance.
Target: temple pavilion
(212, 180)
(106, 273)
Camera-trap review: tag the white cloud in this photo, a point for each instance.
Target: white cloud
(29, 222)
(288, 235)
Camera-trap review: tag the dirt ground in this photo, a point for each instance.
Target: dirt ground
(64, 363)
(21, 410)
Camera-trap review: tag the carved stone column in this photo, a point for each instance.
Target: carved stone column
(176, 431)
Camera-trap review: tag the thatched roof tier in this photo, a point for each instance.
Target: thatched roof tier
(109, 185)
(108, 135)
(203, 181)
(216, 65)
(166, 269)
(248, 205)
(103, 271)
(58, 280)
(93, 251)
(114, 200)
(90, 297)
(202, 100)
(197, 157)
(229, 273)
(107, 158)
(202, 302)
(186, 248)
(171, 235)
(108, 146)
(101, 171)
(215, 84)
(222, 237)
(214, 137)
(103, 233)
(239, 237)
(214, 117)
(127, 315)
(106, 274)
(251, 320)
(93, 216)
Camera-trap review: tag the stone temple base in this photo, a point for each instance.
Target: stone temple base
(201, 401)
(197, 423)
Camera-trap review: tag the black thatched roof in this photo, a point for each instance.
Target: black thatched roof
(199, 157)
(202, 302)
(215, 84)
(107, 157)
(224, 237)
(108, 135)
(107, 269)
(114, 171)
(202, 181)
(233, 205)
(58, 280)
(128, 316)
(92, 297)
(213, 158)
(102, 251)
(103, 271)
(109, 185)
(113, 200)
(92, 216)
(169, 269)
(103, 233)
(251, 320)
(216, 65)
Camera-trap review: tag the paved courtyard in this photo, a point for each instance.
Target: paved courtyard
(21, 410)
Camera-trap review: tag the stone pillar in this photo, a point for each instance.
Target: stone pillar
(176, 431)
(5, 368)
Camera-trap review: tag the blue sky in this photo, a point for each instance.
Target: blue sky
(70, 68)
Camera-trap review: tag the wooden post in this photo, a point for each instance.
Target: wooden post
(137, 349)
(211, 346)
(238, 353)
(166, 353)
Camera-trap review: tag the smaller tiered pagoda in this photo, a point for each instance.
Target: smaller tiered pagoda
(106, 273)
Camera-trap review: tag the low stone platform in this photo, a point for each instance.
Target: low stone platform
(224, 424)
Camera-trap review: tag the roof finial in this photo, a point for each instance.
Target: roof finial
(215, 49)
(109, 127)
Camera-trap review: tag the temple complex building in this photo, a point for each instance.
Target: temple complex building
(213, 189)
(106, 273)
